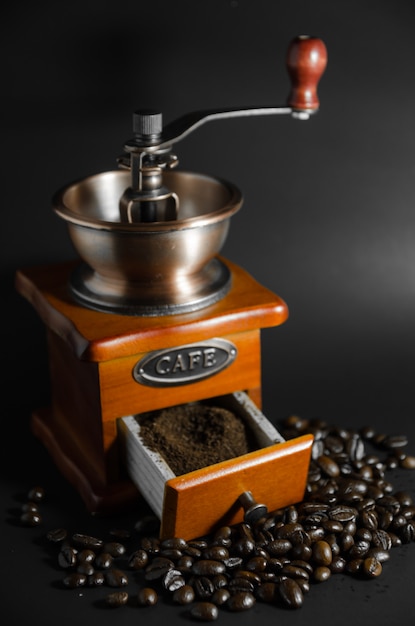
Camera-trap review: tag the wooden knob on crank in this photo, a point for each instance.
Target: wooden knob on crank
(306, 62)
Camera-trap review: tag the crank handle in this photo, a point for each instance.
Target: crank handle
(306, 61)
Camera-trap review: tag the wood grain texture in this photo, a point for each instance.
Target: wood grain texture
(200, 501)
(97, 336)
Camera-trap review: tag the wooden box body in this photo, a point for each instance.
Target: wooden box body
(92, 356)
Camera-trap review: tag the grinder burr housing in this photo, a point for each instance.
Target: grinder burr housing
(152, 316)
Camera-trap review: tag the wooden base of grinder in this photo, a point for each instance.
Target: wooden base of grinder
(92, 356)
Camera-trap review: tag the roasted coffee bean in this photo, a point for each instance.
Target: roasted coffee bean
(31, 519)
(355, 447)
(408, 462)
(96, 579)
(203, 586)
(233, 562)
(150, 544)
(184, 595)
(116, 578)
(408, 512)
(85, 568)
(243, 547)
(394, 441)
(311, 508)
(404, 498)
(241, 601)
(363, 533)
(67, 557)
(240, 584)
(158, 567)
(171, 553)
(321, 573)
(303, 584)
(222, 537)
(104, 560)
(350, 528)
(220, 580)
(185, 563)
(290, 515)
(328, 466)
(334, 444)
(30, 507)
(379, 554)
(74, 580)
(337, 565)
(278, 547)
(354, 565)
(267, 592)
(220, 596)
(257, 564)
(359, 549)
(251, 577)
(216, 553)
(36, 494)
(301, 551)
(314, 534)
(371, 567)
(295, 533)
(147, 596)
(204, 611)
(86, 556)
(86, 541)
(193, 552)
(398, 522)
(334, 546)
(57, 535)
(114, 548)
(173, 580)
(294, 571)
(342, 513)
(138, 559)
(381, 539)
(117, 599)
(407, 533)
(305, 565)
(322, 553)
(396, 541)
(208, 567)
(175, 543)
(332, 526)
(369, 519)
(290, 593)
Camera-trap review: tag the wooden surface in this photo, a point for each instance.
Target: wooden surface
(97, 336)
(195, 503)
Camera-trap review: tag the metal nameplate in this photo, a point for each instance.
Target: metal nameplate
(184, 364)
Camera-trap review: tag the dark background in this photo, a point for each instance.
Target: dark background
(327, 223)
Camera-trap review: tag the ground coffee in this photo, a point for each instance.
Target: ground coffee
(195, 435)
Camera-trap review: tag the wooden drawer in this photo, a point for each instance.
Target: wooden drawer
(194, 504)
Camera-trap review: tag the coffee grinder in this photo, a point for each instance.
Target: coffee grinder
(152, 316)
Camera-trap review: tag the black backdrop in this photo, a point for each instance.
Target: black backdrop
(327, 222)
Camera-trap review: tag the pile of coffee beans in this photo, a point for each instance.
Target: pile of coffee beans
(349, 521)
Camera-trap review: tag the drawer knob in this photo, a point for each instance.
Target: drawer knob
(253, 510)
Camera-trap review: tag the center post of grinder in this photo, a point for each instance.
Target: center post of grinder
(151, 318)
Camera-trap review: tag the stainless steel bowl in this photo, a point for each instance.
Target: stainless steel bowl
(148, 268)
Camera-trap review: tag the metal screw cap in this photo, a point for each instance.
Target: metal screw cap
(147, 123)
